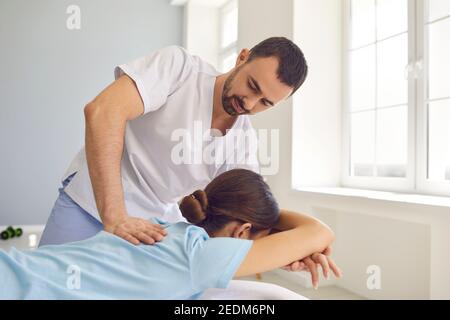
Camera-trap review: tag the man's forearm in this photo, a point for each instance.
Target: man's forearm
(104, 138)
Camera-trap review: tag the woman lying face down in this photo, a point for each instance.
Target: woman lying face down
(228, 234)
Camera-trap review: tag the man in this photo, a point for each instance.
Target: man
(126, 172)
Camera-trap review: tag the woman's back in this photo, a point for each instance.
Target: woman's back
(181, 266)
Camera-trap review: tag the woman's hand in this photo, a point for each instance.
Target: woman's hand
(311, 264)
(137, 230)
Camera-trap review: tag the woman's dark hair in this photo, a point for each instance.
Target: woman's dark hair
(235, 195)
(292, 69)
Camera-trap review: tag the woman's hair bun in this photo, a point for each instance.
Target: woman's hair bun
(194, 206)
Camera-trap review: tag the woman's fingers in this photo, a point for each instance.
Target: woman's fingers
(323, 261)
(311, 264)
(313, 270)
(288, 267)
(294, 265)
(337, 272)
(300, 265)
(327, 251)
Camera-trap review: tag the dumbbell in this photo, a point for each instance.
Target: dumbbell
(10, 232)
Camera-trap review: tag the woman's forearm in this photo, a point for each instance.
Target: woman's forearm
(301, 237)
(290, 220)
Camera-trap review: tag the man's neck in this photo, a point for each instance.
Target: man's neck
(221, 120)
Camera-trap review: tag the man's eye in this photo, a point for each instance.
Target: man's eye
(251, 86)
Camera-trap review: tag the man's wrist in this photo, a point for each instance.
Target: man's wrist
(111, 220)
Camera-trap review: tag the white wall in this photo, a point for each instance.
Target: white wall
(201, 32)
(48, 74)
(409, 242)
(258, 20)
(317, 105)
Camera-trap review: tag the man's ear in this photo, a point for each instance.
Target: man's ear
(242, 57)
(242, 231)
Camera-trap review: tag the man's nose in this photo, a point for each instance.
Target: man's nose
(251, 102)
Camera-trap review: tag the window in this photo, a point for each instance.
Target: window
(397, 99)
(228, 35)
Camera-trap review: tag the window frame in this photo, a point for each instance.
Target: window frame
(417, 149)
(231, 48)
(424, 185)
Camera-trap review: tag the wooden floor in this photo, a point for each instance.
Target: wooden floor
(322, 293)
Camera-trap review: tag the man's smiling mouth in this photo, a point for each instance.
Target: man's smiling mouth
(237, 107)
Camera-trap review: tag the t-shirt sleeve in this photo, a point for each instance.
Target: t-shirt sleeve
(158, 74)
(214, 261)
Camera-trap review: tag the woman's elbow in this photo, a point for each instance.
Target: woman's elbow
(331, 236)
(327, 235)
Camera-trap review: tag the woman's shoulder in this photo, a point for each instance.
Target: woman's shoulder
(186, 229)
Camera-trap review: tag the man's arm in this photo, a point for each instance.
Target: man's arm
(105, 120)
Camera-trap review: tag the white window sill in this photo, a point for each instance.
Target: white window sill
(410, 198)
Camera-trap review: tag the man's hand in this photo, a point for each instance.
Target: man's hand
(137, 230)
(311, 264)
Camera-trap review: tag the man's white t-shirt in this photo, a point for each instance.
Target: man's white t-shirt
(169, 151)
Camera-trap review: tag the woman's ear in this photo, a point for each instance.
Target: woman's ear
(242, 231)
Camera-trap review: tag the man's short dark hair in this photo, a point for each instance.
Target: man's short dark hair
(292, 68)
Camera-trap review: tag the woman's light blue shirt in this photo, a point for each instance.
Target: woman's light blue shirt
(186, 262)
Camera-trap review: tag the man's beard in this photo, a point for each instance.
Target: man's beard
(227, 100)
